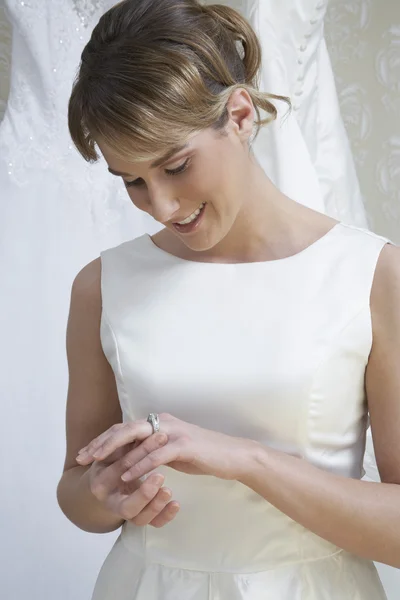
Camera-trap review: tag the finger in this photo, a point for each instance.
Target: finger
(130, 506)
(113, 457)
(162, 456)
(107, 479)
(109, 476)
(152, 443)
(168, 514)
(100, 438)
(130, 432)
(154, 507)
(117, 499)
(118, 454)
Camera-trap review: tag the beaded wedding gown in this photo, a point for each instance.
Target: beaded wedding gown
(309, 158)
(58, 212)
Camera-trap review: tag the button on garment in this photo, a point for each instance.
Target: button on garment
(272, 351)
(307, 153)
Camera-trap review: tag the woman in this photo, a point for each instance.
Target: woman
(235, 354)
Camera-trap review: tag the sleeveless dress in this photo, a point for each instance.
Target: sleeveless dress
(274, 351)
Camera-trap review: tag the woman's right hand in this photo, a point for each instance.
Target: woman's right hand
(140, 502)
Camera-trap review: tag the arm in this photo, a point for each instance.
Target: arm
(92, 402)
(81, 507)
(359, 516)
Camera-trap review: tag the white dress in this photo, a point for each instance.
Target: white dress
(307, 154)
(57, 213)
(226, 347)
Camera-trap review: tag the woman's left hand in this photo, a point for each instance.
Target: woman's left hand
(189, 449)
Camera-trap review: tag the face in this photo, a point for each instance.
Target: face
(199, 191)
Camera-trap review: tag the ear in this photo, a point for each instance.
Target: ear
(241, 114)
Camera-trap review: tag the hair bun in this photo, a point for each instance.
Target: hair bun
(243, 35)
(156, 71)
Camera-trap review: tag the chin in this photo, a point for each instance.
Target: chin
(203, 241)
(198, 245)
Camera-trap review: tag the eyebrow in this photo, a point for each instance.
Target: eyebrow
(157, 163)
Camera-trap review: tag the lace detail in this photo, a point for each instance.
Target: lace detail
(34, 133)
(38, 163)
(86, 9)
(48, 38)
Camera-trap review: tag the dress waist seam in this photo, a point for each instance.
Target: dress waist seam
(148, 562)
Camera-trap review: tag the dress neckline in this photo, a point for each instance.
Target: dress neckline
(152, 247)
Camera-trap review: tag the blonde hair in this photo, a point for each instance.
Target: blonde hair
(155, 72)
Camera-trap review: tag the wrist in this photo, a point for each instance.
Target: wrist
(255, 458)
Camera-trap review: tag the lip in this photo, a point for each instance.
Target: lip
(187, 216)
(193, 226)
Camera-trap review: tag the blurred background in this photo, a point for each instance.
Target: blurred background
(363, 39)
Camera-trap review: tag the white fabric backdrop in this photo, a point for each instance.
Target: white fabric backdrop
(363, 38)
(57, 213)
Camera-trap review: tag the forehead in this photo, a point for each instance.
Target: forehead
(129, 160)
(146, 162)
(130, 164)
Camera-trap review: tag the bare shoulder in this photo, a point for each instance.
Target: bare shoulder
(88, 280)
(382, 373)
(385, 293)
(86, 290)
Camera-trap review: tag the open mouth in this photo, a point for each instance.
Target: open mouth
(191, 222)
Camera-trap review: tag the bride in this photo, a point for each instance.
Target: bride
(58, 212)
(254, 333)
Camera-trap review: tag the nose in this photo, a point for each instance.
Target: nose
(163, 205)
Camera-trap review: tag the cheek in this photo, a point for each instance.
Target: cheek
(209, 181)
(138, 198)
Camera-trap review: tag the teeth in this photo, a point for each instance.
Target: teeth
(192, 217)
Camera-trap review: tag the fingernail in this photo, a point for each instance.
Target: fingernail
(127, 476)
(158, 479)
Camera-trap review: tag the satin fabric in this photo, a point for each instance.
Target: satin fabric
(225, 347)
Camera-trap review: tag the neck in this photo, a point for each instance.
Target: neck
(269, 224)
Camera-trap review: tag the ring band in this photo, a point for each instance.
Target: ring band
(154, 421)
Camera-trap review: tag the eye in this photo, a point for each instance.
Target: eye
(135, 183)
(139, 182)
(180, 169)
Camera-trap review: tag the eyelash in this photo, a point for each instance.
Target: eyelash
(170, 172)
